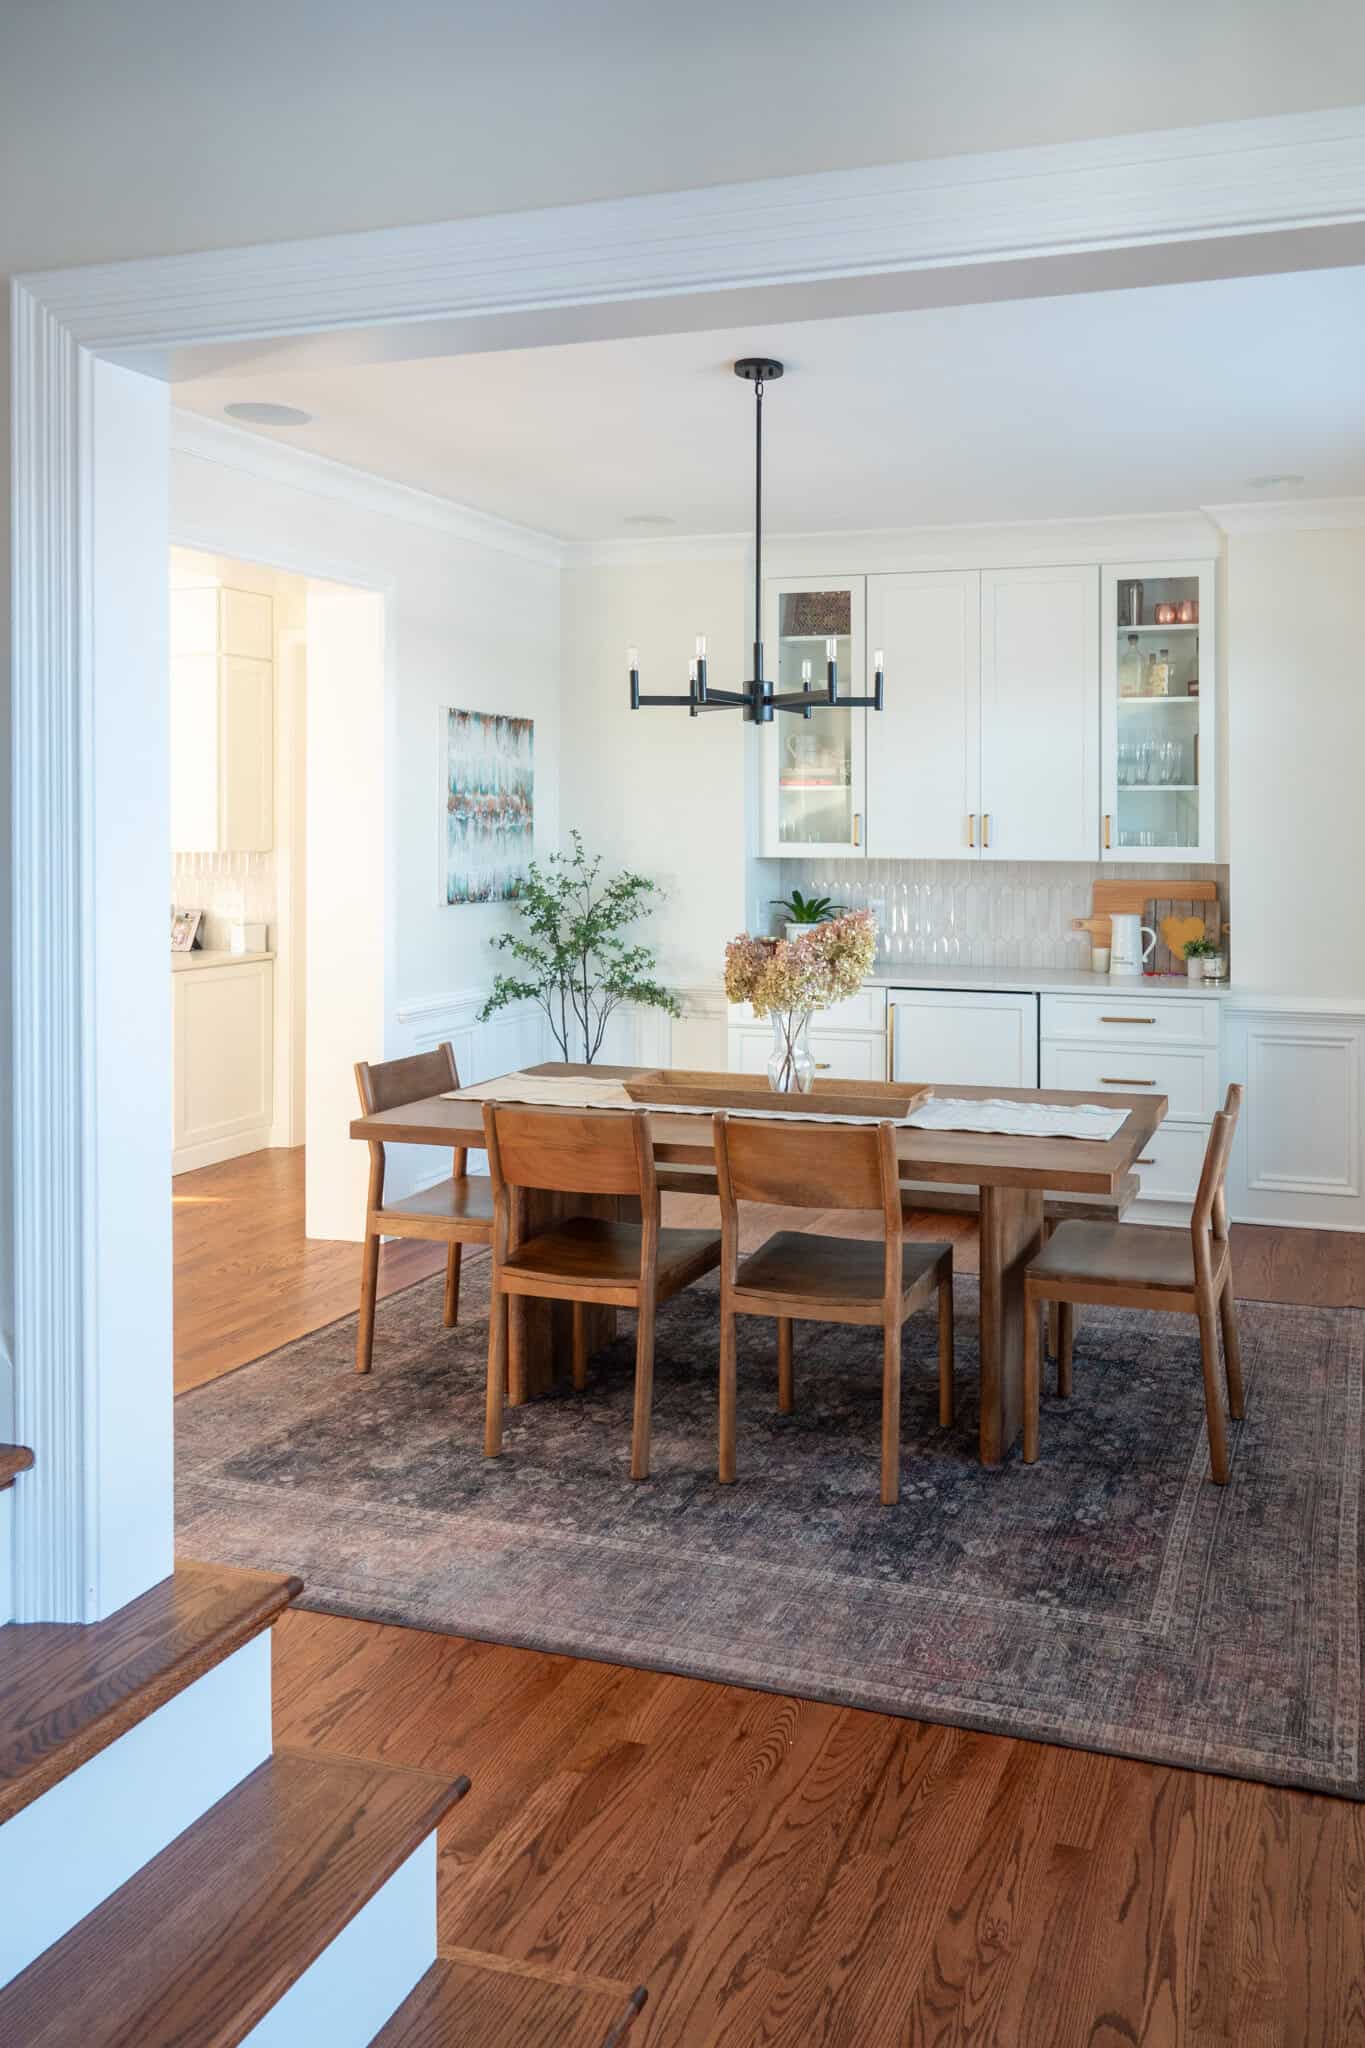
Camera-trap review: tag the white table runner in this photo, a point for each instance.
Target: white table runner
(1019, 1119)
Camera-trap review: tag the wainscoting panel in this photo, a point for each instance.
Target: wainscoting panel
(1297, 1159)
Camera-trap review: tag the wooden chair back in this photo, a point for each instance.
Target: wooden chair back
(587, 1152)
(388, 1083)
(1210, 1210)
(806, 1166)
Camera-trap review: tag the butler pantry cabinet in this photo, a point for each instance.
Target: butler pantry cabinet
(222, 696)
(989, 744)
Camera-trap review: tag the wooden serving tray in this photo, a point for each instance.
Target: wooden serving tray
(693, 1088)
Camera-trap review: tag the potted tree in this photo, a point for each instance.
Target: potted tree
(573, 954)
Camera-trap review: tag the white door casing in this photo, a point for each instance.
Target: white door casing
(91, 1267)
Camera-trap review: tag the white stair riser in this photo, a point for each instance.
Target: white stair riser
(361, 1978)
(64, 1854)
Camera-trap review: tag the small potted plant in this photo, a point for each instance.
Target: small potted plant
(1196, 952)
(801, 912)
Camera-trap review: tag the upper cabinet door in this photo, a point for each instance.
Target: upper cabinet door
(1040, 714)
(1159, 728)
(815, 769)
(924, 749)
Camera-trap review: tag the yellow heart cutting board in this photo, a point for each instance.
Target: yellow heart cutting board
(1177, 931)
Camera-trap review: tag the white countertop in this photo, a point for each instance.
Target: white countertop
(1050, 981)
(208, 957)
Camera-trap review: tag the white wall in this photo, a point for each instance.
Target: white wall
(655, 789)
(1295, 637)
(464, 623)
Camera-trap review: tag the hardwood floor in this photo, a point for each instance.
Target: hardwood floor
(246, 1277)
(781, 1872)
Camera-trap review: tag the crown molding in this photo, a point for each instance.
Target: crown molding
(659, 553)
(1289, 515)
(299, 469)
(1176, 185)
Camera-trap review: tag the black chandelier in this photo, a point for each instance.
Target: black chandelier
(757, 698)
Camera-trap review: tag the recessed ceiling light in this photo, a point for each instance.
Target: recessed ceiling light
(648, 519)
(258, 413)
(1270, 483)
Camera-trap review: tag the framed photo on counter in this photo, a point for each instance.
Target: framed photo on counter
(185, 928)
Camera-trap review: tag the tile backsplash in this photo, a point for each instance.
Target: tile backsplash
(226, 887)
(974, 913)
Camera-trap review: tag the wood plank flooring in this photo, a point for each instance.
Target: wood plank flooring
(781, 1872)
(246, 1277)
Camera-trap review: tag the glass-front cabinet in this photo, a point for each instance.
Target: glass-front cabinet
(815, 767)
(1157, 717)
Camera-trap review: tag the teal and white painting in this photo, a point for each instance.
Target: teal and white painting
(490, 806)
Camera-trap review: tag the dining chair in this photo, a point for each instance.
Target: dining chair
(1137, 1265)
(799, 1276)
(455, 1212)
(583, 1258)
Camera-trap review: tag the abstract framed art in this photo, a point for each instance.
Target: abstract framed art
(489, 820)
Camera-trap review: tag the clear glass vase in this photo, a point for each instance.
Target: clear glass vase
(791, 1069)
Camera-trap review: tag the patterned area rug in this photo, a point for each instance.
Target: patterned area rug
(1109, 1596)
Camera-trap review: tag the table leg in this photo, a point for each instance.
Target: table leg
(1011, 1233)
(540, 1332)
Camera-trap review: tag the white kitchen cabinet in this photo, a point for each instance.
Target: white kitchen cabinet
(964, 1038)
(222, 721)
(848, 1041)
(924, 746)
(1159, 732)
(1040, 714)
(223, 1082)
(815, 769)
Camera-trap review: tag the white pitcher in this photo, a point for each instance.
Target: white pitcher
(1127, 954)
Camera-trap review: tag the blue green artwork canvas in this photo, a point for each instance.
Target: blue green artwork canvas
(490, 806)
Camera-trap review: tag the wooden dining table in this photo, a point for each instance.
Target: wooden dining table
(1012, 1173)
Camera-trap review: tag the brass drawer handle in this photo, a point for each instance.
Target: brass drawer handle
(822, 1066)
(1127, 1020)
(1148, 1160)
(1123, 1081)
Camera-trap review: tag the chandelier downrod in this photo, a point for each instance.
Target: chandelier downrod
(756, 698)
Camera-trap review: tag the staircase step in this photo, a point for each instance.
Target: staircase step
(469, 2003)
(67, 1691)
(14, 1458)
(198, 1947)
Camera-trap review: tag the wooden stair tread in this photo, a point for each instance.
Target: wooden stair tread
(466, 2004)
(14, 1458)
(68, 1690)
(199, 1945)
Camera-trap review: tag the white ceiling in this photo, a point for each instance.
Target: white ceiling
(1125, 402)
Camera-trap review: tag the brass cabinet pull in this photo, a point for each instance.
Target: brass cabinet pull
(1123, 1081)
(1127, 1020)
(857, 828)
(1148, 1160)
(891, 1041)
(985, 828)
(1106, 830)
(971, 828)
(822, 1066)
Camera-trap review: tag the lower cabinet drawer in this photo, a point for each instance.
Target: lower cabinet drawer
(838, 1055)
(1169, 1169)
(1186, 1076)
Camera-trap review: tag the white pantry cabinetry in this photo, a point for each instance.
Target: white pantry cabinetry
(222, 717)
(815, 768)
(222, 1035)
(1159, 731)
(964, 1038)
(924, 751)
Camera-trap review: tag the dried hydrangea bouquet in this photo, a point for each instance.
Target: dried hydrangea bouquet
(790, 979)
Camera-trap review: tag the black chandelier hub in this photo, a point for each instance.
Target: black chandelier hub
(756, 698)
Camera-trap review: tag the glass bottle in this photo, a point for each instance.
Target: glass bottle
(1130, 669)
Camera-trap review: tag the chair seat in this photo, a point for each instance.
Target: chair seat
(1120, 1255)
(849, 1270)
(466, 1200)
(589, 1251)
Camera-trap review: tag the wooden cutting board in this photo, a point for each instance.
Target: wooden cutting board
(1109, 899)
